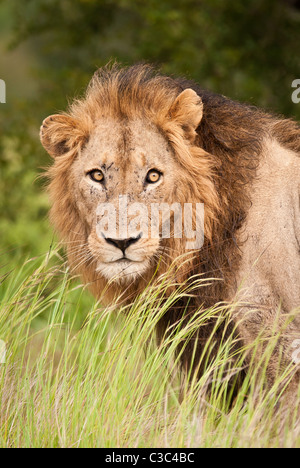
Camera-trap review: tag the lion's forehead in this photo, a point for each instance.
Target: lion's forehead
(123, 146)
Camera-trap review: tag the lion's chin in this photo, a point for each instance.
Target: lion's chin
(124, 271)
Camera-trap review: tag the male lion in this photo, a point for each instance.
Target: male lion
(156, 139)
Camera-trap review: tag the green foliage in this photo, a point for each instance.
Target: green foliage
(247, 50)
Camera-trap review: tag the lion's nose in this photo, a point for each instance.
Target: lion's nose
(122, 244)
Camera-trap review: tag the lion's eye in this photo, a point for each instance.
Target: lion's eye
(153, 176)
(96, 175)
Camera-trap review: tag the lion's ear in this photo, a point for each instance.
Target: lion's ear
(61, 133)
(187, 110)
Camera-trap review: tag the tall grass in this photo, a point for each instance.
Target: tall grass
(81, 375)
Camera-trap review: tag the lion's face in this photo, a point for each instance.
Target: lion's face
(121, 165)
(123, 157)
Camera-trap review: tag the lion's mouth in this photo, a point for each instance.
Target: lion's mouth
(122, 269)
(123, 260)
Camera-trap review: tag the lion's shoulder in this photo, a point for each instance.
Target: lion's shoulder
(270, 236)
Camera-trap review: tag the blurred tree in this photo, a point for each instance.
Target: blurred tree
(246, 50)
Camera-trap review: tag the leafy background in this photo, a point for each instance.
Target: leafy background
(77, 374)
(49, 49)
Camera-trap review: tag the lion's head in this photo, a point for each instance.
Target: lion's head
(131, 139)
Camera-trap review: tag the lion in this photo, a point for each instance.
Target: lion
(155, 139)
